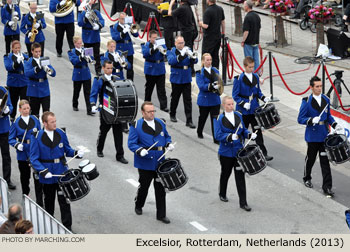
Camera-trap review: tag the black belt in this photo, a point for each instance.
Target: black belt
(38, 80)
(181, 67)
(158, 148)
(25, 141)
(247, 97)
(155, 61)
(80, 67)
(56, 160)
(17, 72)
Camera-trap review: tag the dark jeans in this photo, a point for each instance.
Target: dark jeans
(6, 158)
(189, 38)
(60, 30)
(212, 46)
(145, 179)
(76, 90)
(130, 72)
(185, 90)
(24, 171)
(8, 40)
(169, 37)
(35, 103)
(250, 120)
(96, 48)
(158, 80)
(204, 111)
(17, 93)
(39, 191)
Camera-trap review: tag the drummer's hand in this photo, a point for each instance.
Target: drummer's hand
(316, 120)
(267, 99)
(94, 109)
(234, 137)
(246, 105)
(81, 153)
(20, 147)
(254, 135)
(48, 175)
(143, 152)
(339, 129)
(7, 110)
(171, 147)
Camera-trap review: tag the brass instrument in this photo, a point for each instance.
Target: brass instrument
(34, 31)
(14, 17)
(221, 85)
(134, 28)
(93, 18)
(192, 55)
(162, 50)
(48, 70)
(89, 60)
(121, 59)
(64, 10)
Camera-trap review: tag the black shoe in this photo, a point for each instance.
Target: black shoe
(329, 193)
(268, 158)
(59, 55)
(165, 220)
(173, 119)
(190, 125)
(126, 131)
(224, 199)
(308, 184)
(200, 136)
(295, 16)
(89, 113)
(100, 154)
(11, 186)
(165, 110)
(122, 160)
(246, 208)
(75, 109)
(344, 28)
(138, 211)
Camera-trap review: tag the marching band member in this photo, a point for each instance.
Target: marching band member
(120, 33)
(97, 92)
(208, 98)
(181, 78)
(154, 69)
(29, 28)
(246, 92)
(91, 32)
(63, 24)
(16, 80)
(48, 148)
(10, 15)
(81, 74)
(20, 134)
(38, 90)
(316, 133)
(4, 137)
(143, 134)
(231, 131)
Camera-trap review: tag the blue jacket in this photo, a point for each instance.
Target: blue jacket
(89, 35)
(223, 130)
(38, 85)
(178, 75)
(154, 64)
(123, 40)
(309, 109)
(15, 71)
(26, 27)
(143, 136)
(6, 17)
(81, 69)
(205, 97)
(117, 69)
(43, 149)
(17, 131)
(4, 120)
(62, 20)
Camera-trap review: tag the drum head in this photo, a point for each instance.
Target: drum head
(335, 140)
(167, 165)
(84, 163)
(247, 151)
(70, 175)
(261, 109)
(89, 168)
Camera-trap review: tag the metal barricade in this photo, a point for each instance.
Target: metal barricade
(4, 194)
(43, 222)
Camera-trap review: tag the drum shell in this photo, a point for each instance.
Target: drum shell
(267, 117)
(84, 163)
(171, 174)
(251, 159)
(337, 148)
(91, 175)
(74, 185)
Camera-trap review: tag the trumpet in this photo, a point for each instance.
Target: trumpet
(192, 55)
(89, 60)
(162, 50)
(134, 28)
(48, 70)
(120, 60)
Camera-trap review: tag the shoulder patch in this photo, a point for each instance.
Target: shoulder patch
(236, 77)
(143, 43)
(134, 124)
(238, 112)
(305, 98)
(163, 120)
(198, 71)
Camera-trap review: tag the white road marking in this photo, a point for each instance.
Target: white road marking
(198, 226)
(133, 182)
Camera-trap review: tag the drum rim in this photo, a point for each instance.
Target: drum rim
(92, 164)
(166, 160)
(342, 136)
(70, 171)
(250, 145)
(81, 166)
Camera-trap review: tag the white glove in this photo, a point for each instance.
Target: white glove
(20, 59)
(62, 2)
(267, 99)
(87, 14)
(143, 153)
(15, 13)
(48, 175)
(39, 21)
(316, 120)
(126, 29)
(37, 25)
(11, 23)
(7, 110)
(171, 147)
(94, 109)
(46, 68)
(20, 147)
(234, 137)
(339, 129)
(81, 153)
(115, 56)
(246, 106)
(30, 34)
(254, 135)
(96, 27)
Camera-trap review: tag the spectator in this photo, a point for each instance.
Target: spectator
(14, 215)
(24, 227)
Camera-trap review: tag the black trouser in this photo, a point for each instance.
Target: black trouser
(203, 115)
(312, 149)
(6, 158)
(227, 163)
(96, 47)
(76, 90)
(151, 81)
(29, 49)
(212, 46)
(35, 103)
(24, 171)
(50, 191)
(39, 191)
(17, 93)
(250, 120)
(8, 40)
(130, 72)
(185, 90)
(117, 135)
(60, 29)
(169, 37)
(189, 38)
(145, 179)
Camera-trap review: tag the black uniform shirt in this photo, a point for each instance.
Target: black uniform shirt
(252, 23)
(184, 16)
(213, 17)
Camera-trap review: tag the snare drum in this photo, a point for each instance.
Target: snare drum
(74, 185)
(251, 159)
(267, 117)
(171, 174)
(338, 148)
(84, 163)
(90, 172)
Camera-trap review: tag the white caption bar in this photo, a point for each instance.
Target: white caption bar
(198, 226)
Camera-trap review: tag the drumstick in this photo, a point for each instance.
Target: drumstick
(152, 146)
(57, 175)
(250, 139)
(321, 113)
(164, 153)
(265, 104)
(24, 136)
(238, 128)
(74, 157)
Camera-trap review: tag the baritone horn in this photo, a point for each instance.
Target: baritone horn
(134, 28)
(162, 50)
(64, 10)
(192, 55)
(221, 85)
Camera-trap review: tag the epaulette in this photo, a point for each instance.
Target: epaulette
(36, 117)
(111, 26)
(198, 72)
(236, 77)
(63, 129)
(134, 124)
(239, 112)
(96, 77)
(217, 117)
(163, 119)
(305, 98)
(35, 134)
(143, 43)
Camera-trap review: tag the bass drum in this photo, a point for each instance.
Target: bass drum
(120, 102)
